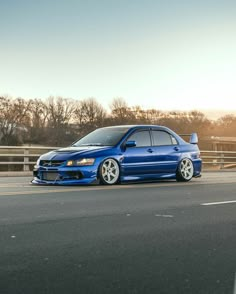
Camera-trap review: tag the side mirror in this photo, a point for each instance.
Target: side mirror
(193, 138)
(130, 144)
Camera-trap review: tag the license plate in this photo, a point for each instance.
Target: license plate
(50, 176)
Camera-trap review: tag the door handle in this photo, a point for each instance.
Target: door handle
(176, 148)
(150, 150)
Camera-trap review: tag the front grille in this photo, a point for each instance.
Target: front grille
(51, 163)
(50, 176)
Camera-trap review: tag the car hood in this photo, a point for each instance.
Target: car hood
(74, 152)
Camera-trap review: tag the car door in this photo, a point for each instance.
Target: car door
(166, 151)
(138, 160)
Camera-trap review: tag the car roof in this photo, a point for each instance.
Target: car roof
(138, 127)
(134, 126)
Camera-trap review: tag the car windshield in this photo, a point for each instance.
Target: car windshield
(102, 137)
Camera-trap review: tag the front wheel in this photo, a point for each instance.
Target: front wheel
(109, 172)
(185, 170)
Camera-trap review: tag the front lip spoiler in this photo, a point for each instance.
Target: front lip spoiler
(37, 181)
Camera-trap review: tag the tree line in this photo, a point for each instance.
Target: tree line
(58, 121)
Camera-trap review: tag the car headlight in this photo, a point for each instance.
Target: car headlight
(81, 162)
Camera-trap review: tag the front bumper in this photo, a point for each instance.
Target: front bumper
(64, 175)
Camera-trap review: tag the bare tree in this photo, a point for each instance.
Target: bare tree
(198, 122)
(225, 126)
(60, 115)
(89, 115)
(38, 122)
(39, 113)
(14, 117)
(120, 111)
(153, 116)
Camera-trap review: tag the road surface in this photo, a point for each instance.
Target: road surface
(149, 238)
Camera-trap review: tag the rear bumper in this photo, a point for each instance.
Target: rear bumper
(197, 167)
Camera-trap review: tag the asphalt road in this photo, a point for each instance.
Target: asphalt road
(157, 238)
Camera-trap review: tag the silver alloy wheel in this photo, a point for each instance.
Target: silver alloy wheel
(186, 169)
(110, 171)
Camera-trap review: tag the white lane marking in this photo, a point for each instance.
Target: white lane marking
(164, 215)
(234, 284)
(218, 203)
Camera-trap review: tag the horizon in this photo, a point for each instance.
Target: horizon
(212, 114)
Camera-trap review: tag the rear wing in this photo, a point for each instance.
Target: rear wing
(193, 138)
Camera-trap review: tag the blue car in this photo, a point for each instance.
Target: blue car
(118, 154)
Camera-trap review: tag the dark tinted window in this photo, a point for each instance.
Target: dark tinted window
(103, 137)
(141, 138)
(163, 138)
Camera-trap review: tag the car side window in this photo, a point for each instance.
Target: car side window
(174, 141)
(161, 138)
(142, 138)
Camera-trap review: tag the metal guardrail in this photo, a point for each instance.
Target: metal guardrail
(223, 159)
(24, 157)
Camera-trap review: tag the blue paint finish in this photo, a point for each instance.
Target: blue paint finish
(136, 163)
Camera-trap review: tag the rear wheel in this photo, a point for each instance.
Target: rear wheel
(185, 170)
(109, 172)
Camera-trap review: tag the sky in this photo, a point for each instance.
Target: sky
(164, 54)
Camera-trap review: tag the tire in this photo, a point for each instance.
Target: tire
(185, 170)
(109, 172)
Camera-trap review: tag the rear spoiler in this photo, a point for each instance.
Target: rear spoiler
(193, 137)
